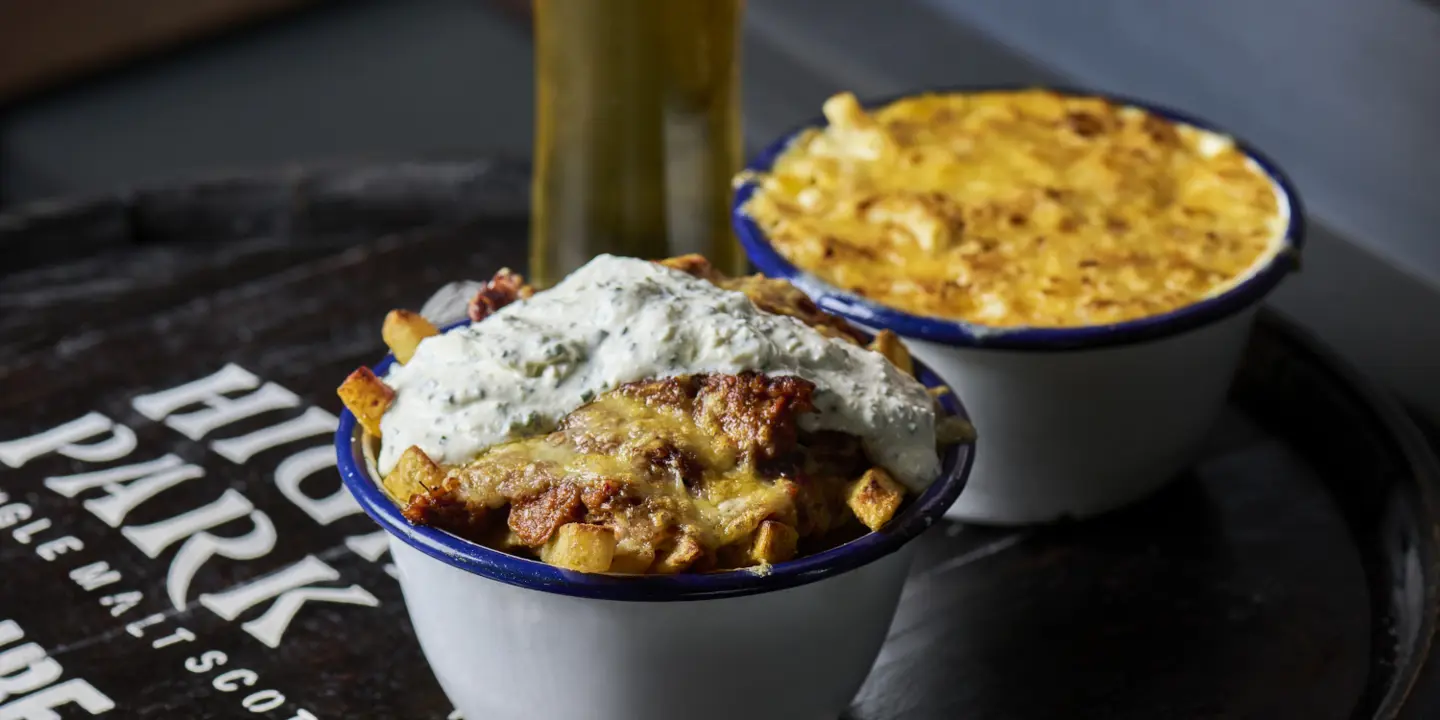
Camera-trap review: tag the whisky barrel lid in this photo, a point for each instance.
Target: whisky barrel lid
(1291, 574)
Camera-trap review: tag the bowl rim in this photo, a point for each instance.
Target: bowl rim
(1249, 291)
(914, 519)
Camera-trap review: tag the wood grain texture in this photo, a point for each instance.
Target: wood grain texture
(1289, 575)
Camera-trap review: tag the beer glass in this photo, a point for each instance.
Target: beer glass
(637, 131)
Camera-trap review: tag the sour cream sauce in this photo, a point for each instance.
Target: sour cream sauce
(619, 320)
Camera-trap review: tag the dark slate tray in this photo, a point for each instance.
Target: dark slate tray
(1292, 574)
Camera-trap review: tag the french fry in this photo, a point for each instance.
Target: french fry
(874, 498)
(887, 343)
(367, 397)
(580, 547)
(414, 474)
(774, 542)
(686, 552)
(403, 330)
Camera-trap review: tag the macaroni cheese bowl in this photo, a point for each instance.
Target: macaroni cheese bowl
(510, 637)
(1095, 361)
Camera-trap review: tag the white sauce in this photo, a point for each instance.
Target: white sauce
(620, 320)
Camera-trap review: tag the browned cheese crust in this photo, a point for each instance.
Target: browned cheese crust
(701, 460)
(506, 287)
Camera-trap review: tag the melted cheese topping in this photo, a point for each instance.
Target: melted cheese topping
(621, 320)
(1019, 208)
(645, 467)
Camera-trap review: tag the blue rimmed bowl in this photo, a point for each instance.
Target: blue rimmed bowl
(1078, 421)
(512, 638)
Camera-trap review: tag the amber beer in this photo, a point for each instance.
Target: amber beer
(637, 131)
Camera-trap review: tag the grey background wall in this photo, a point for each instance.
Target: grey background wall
(1343, 92)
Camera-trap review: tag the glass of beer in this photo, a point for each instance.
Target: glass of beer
(637, 131)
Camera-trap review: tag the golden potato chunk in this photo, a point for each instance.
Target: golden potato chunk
(403, 330)
(887, 343)
(414, 474)
(634, 561)
(580, 547)
(367, 397)
(510, 541)
(686, 552)
(774, 542)
(874, 498)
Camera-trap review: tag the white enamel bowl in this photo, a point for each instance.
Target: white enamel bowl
(1074, 421)
(515, 639)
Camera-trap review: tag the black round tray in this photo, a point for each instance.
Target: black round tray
(1292, 574)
